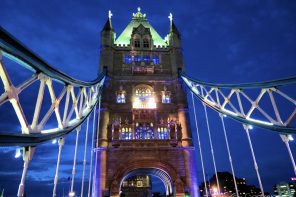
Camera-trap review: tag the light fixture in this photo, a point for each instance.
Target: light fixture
(224, 115)
(71, 194)
(290, 137)
(54, 141)
(250, 127)
(17, 153)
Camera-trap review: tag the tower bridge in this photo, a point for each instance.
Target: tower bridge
(139, 113)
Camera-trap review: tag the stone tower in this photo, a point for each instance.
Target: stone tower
(144, 125)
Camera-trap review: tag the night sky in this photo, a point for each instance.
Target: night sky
(223, 41)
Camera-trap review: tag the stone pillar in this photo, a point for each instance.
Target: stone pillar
(103, 128)
(191, 175)
(99, 173)
(184, 121)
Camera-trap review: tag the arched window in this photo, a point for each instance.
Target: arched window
(143, 97)
(163, 133)
(155, 59)
(137, 43)
(145, 43)
(144, 131)
(146, 58)
(127, 59)
(137, 58)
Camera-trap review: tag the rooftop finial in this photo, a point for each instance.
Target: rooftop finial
(170, 17)
(139, 15)
(110, 14)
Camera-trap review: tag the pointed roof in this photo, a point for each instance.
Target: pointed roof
(138, 19)
(174, 28)
(108, 25)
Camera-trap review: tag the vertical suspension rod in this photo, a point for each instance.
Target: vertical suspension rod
(229, 154)
(27, 156)
(98, 130)
(199, 145)
(254, 159)
(285, 139)
(56, 177)
(212, 148)
(84, 158)
(74, 160)
(91, 151)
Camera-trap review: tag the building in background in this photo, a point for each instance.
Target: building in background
(144, 126)
(227, 187)
(284, 189)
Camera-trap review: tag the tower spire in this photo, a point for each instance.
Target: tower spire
(108, 24)
(173, 28)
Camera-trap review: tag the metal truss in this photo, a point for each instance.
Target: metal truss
(237, 102)
(80, 96)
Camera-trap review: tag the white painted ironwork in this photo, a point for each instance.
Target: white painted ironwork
(246, 127)
(56, 177)
(229, 154)
(84, 157)
(212, 148)
(92, 150)
(286, 139)
(235, 101)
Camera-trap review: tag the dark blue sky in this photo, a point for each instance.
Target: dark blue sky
(223, 41)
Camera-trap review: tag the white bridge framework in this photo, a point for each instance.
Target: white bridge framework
(245, 103)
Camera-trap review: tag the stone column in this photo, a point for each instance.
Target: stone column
(191, 175)
(103, 128)
(183, 119)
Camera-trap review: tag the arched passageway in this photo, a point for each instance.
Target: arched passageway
(139, 180)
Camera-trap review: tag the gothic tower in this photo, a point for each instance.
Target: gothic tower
(144, 126)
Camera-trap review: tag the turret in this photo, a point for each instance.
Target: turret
(174, 35)
(107, 42)
(107, 33)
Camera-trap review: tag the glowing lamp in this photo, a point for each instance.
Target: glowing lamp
(17, 153)
(215, 190)
(290, 137)
(54, 141)
(71, 194)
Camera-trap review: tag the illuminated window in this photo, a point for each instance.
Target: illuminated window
(163, 133)
(146, 43)
(146, 58)
(120, 96)
(143, 98)
(137, 58)
(127, 59)
(166, 97)
(155, 59)
(137, 43)
(126, 133)
(144, 131)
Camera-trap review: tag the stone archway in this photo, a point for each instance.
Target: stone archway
(162, 170)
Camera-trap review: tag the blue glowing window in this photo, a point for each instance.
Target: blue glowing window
(126, 134)
(137, 58)
(163, 133)
(155, 60)
(166, 99)
(146, 58)
(144, 132)
(120, 98)
(127, 59)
